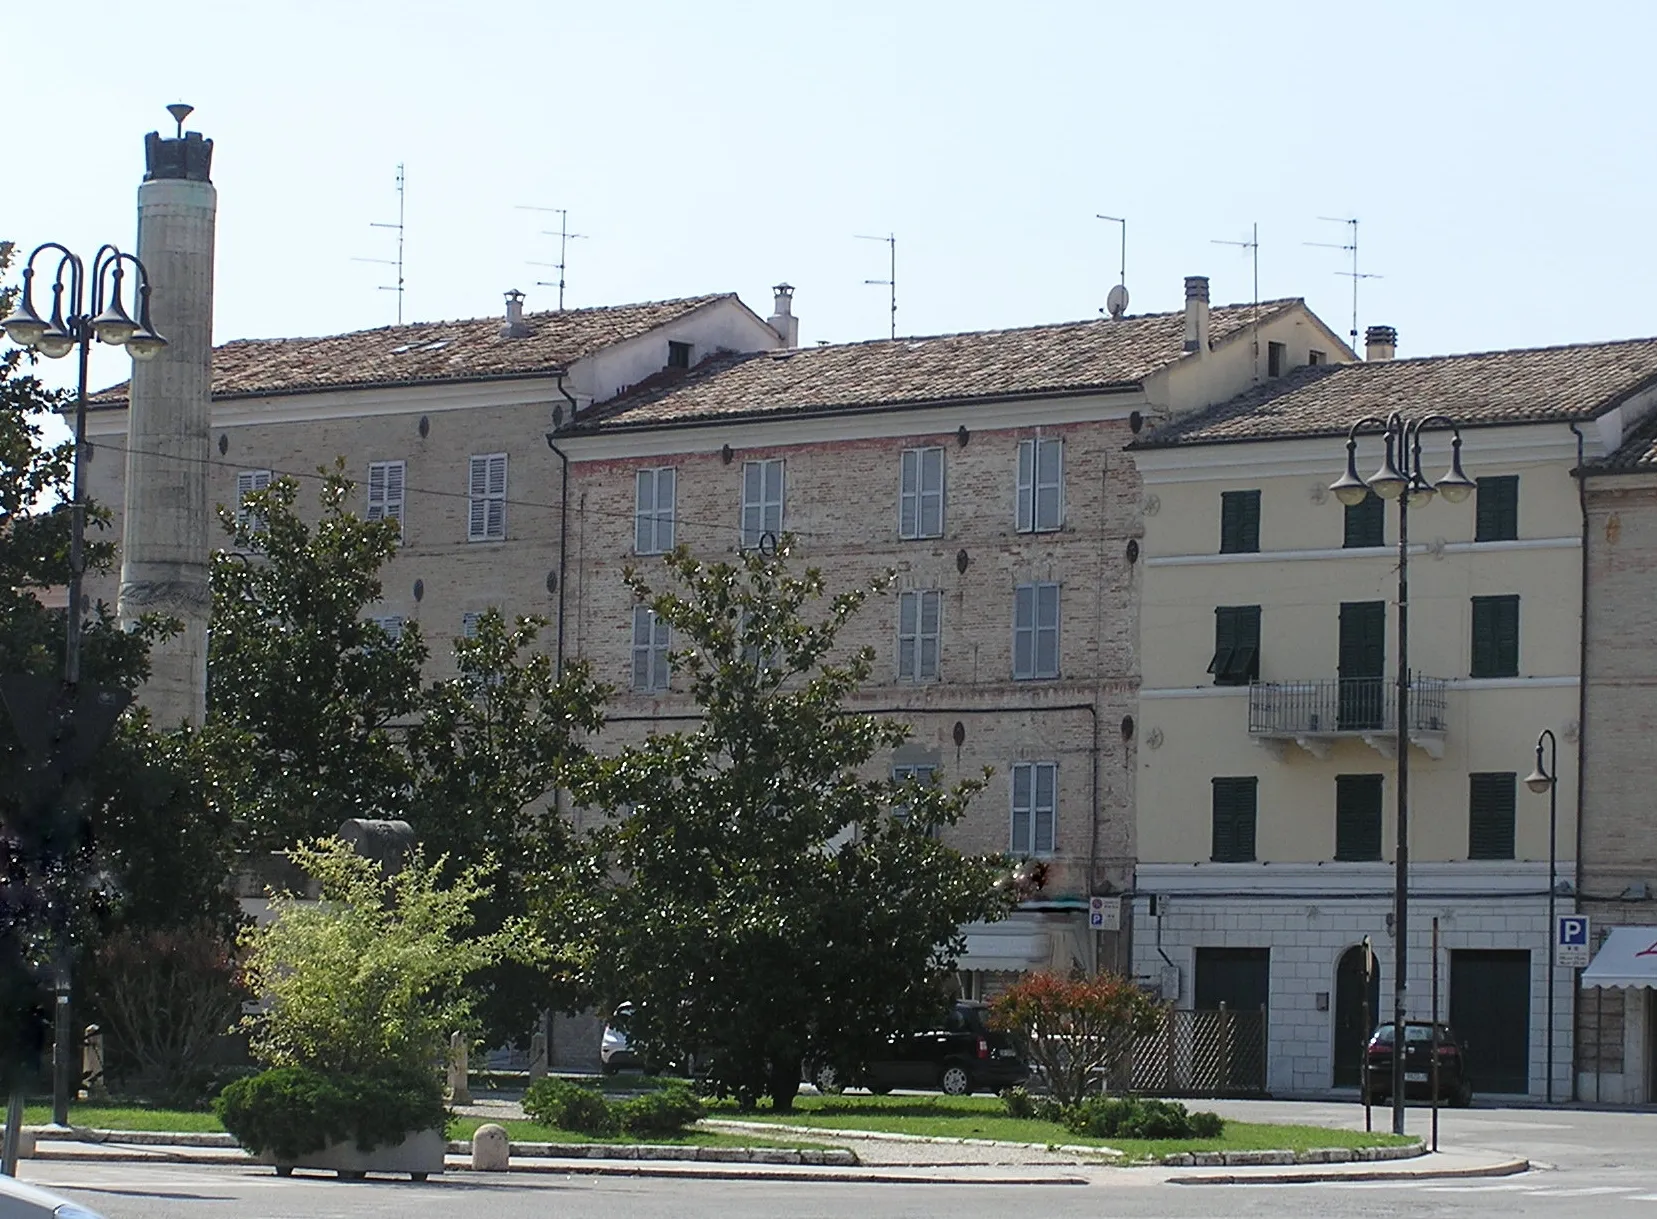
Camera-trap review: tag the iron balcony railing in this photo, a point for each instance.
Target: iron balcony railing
(1336, 706)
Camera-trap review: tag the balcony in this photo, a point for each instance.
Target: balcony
(1314, 714)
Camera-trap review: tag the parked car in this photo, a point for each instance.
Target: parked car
(21, 1201)
(618, 1052)
(1454, 1083)
(959, 1056)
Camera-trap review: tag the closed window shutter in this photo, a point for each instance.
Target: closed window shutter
(1023, 805)
(932, 493)
(1049, 483)
(247, 482)
(1045, 811)
(1358, 817)
(644, 512)
(477, 524)
(1026, 486)
(1497, 509)
(931, 634)
(1234, 803)
(376, 490)
(1490, 815)
(1047, 630)
(1024, 631)
(1366, 522)
(1495, 636)
(497, 496)
(909, 494)
(1239, 522)
(667, 494)
(394, 479)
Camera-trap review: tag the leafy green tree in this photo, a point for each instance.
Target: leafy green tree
(371, 977)
(756, 896)
(305, 695)
(487, 753)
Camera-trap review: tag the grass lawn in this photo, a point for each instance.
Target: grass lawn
(984, 1117)
(183, 1120)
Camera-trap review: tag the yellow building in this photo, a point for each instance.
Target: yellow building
(1267, 778)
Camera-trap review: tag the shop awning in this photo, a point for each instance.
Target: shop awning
(1627, 958)
(1010, 945)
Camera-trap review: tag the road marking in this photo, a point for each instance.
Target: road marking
(1583, 1192)
(1473, 1189)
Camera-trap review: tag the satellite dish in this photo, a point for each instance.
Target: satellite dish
(1117, 301)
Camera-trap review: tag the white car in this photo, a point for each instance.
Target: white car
(20, 1200)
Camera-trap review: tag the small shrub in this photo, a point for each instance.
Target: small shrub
(1133, 1117)
(569, 1106)
(666, 1112)
(1026, 1105)
(289, 1112)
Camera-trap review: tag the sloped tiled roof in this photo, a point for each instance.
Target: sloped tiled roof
(1530, 385)
(467, 350)
(1070, 357)
(1636, 455)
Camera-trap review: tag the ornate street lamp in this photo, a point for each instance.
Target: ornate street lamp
(1400, 478)
(84, 306)
(1545, 778)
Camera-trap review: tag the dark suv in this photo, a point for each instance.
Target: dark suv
(962, 1056)
(1453, 1082)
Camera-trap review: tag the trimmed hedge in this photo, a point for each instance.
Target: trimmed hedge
(584, 1110)
(1135, 1117)
(290, 1112)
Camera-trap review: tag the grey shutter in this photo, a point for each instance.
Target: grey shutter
(929, 635)
(908, 629)
(1049, 484)
(1025, 512)
(1047, 630)
(1023, 807)
(909, 494)
(1024, 631)
(1045, 807)
(477, 492)
(931, 518)
(644, 512)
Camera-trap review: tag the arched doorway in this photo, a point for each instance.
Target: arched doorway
(1352, 1023)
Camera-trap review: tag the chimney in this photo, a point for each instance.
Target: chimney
(1196, 313)
(1380, 343)
(782, 318)
(516, 327)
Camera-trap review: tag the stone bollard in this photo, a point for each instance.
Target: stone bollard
(491, 1149)
(538, 1056)
(92, 1064)
(460, 1091)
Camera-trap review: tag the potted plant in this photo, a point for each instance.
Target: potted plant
(357, 991)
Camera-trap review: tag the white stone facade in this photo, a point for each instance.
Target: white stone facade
(1309, 916)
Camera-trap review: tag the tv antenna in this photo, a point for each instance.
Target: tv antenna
(1117, 300)
(564, 238)
(891, 281)
(398, 261)
(1252, 245)
(1354, 273)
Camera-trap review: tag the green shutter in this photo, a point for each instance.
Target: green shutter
(1234, 818)
(1236, 645)
(1490, 809)
(1239, 522)
(1495, 637)
(1497, 509)
(1366, 522)
(1357, 817)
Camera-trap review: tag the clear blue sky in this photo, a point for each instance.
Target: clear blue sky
(1498, 155)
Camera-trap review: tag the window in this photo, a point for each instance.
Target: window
(1036, 631)
(1490, 815)
(653, 505)
(247, 482)
(678, 354)
(921, 494)
(392, 626)
(1040, 484)
(1315, 357)
(385, 491)
(487, 492)
(1357, 817)
(761, 500)
(1495, 637)
(924, 774)
(650, 644)
(1035, 807)
(1366, 522)
(469, 625)
(1498, 509)
(1239, 522)
(1234, 816)
(920, 626)
(1277, 358)
(1236, 645)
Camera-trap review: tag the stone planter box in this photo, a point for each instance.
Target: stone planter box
(419, 1155)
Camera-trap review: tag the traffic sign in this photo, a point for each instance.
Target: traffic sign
(1104, 913)
(1571, 941)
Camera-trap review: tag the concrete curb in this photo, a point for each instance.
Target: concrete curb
(1309, 1155)
(657, 1151)
(135, 1138)
(1506, 1168)
(889, 1137)
(718, 1172)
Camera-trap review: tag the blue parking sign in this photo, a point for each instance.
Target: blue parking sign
(1570, 940)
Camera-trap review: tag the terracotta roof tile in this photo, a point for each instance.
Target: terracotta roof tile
(1070, 357)
(1530, 385)
(428, 351)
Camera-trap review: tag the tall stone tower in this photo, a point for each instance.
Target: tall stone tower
(165, 544)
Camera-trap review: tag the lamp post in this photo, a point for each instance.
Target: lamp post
(85, 305)
(1399, 477)
(1545, 778)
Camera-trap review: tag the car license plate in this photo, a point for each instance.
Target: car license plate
(1415, 1077)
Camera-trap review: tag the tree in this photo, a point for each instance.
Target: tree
(1076, 1030)
(758, 897)
(303, 691)
(488, 749)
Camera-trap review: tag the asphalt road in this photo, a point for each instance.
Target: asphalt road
(1598, 1164)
